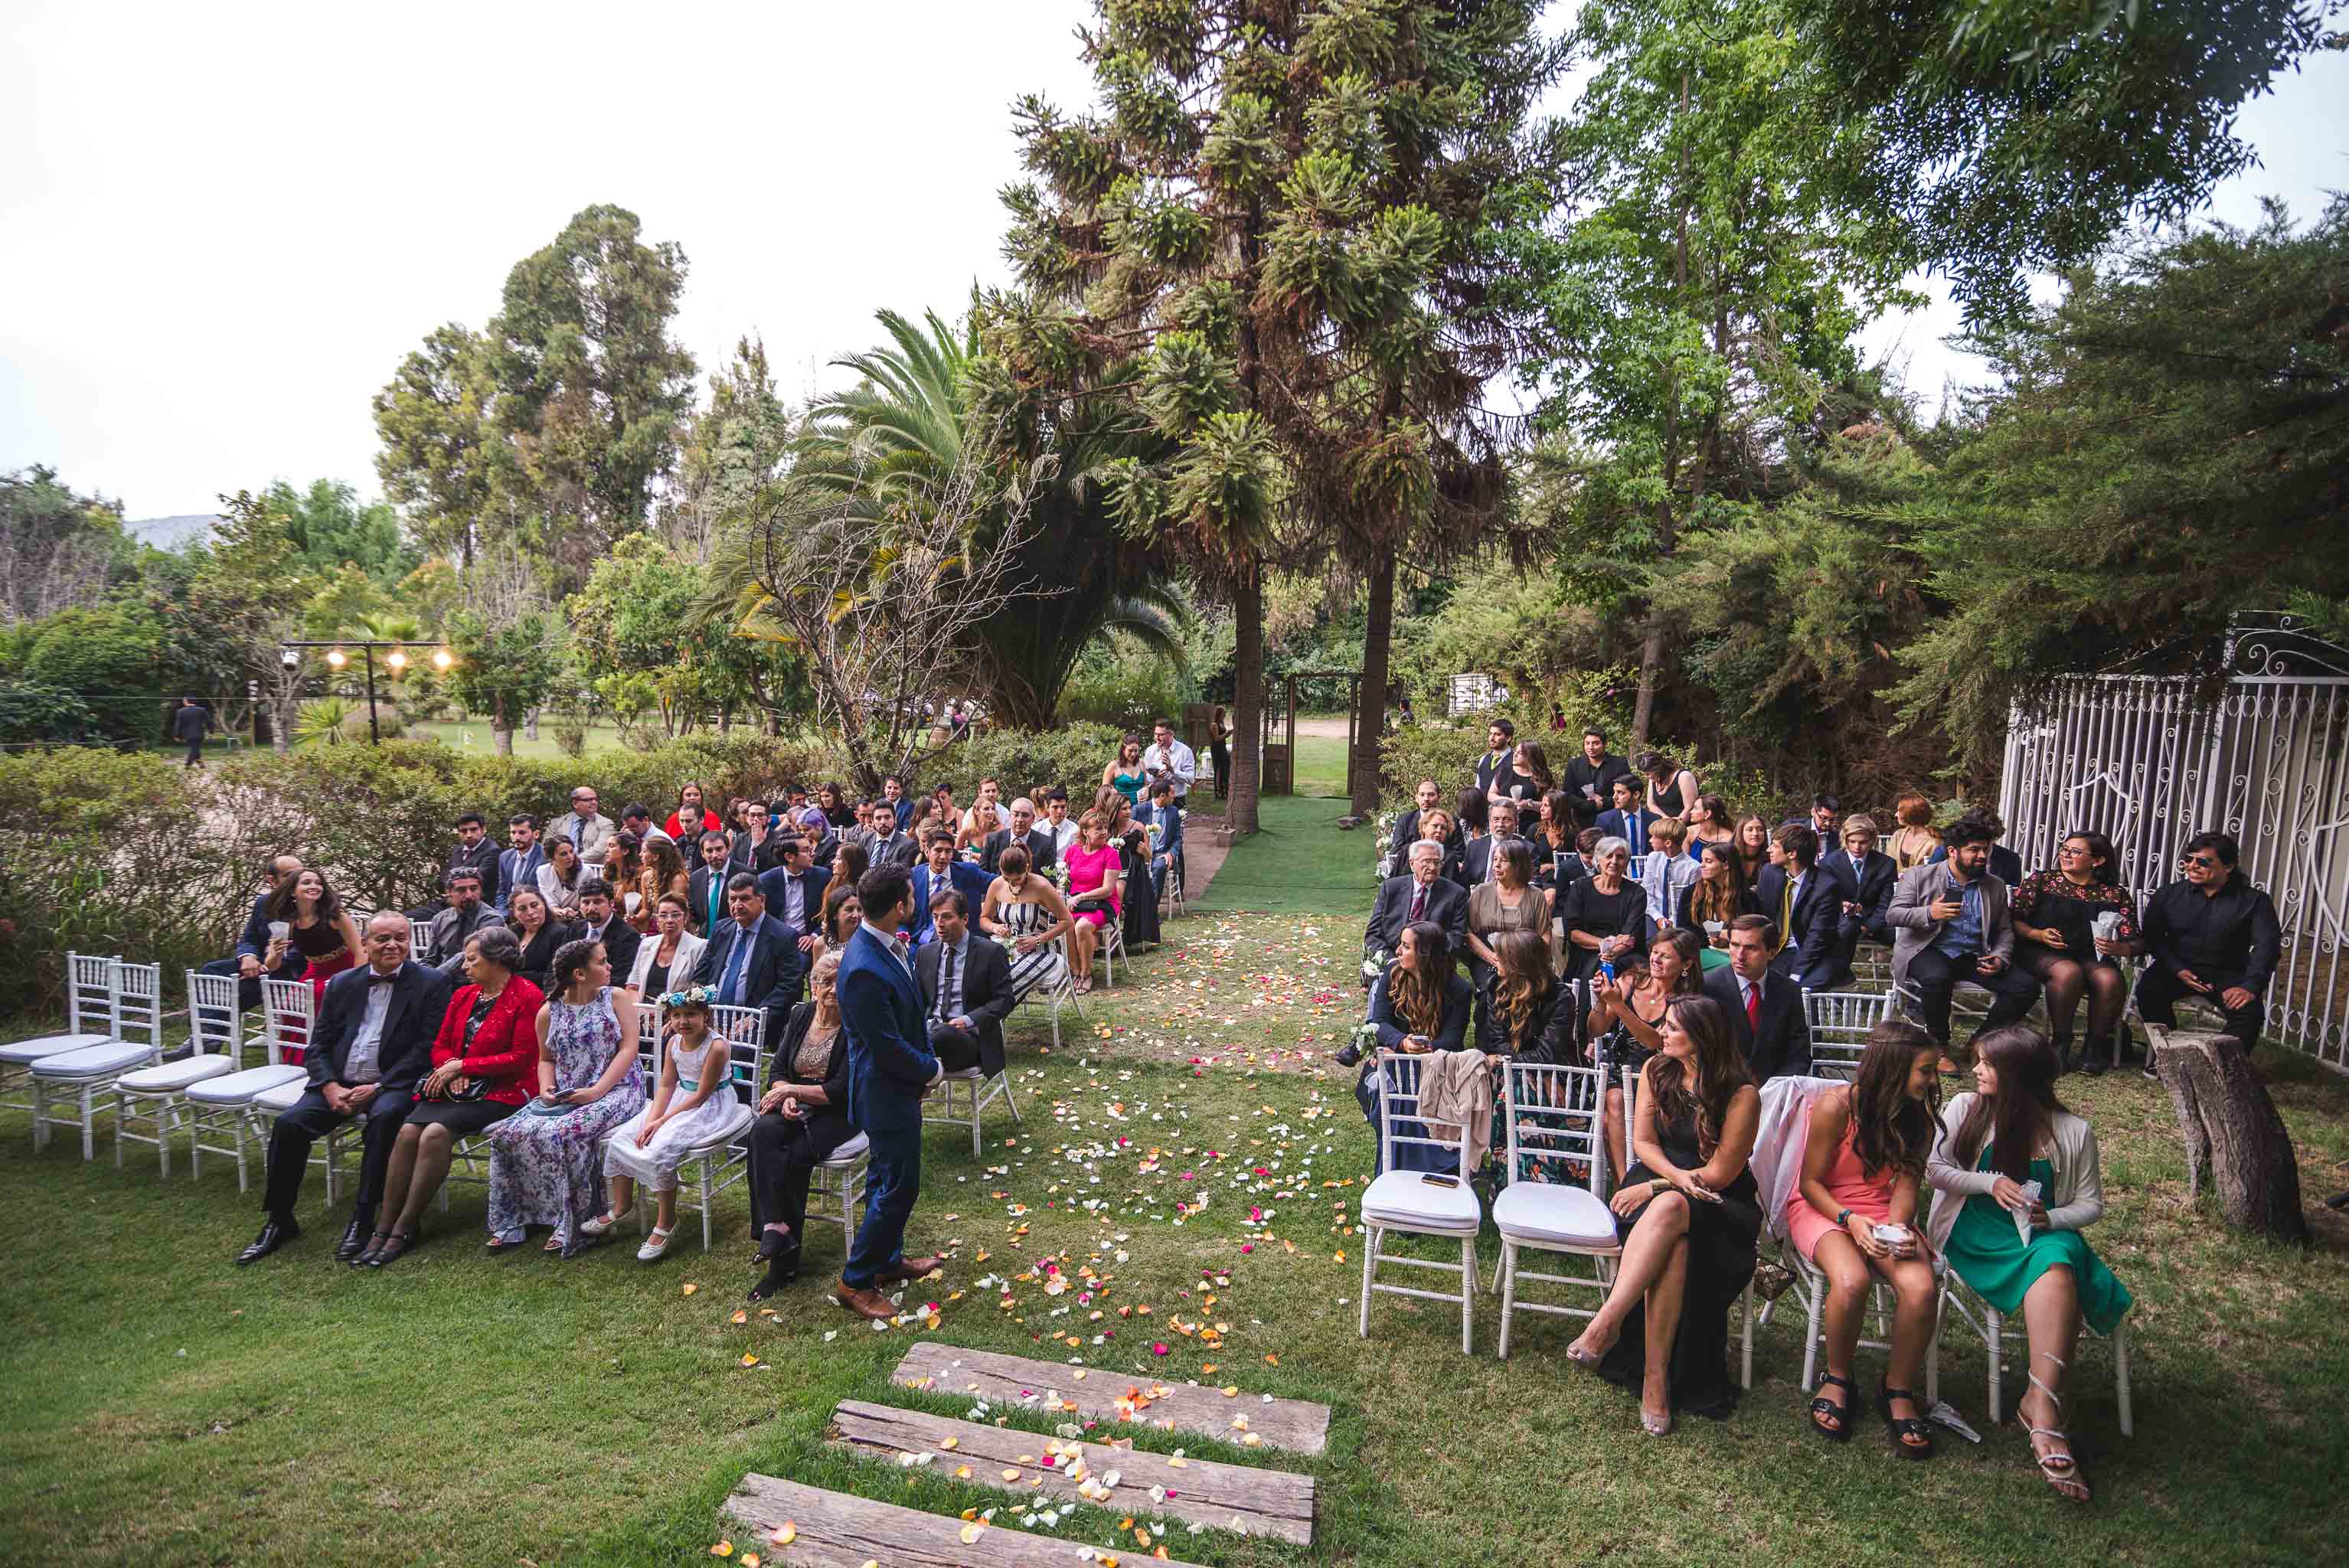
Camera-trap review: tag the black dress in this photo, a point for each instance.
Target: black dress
(1139, 913)
(785, 1153)
(1584, 908)
(1721, 1241)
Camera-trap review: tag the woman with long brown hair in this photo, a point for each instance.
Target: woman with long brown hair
(1719, 895)
(662, 872)
(1420, 1003)
(1689, 1216)
(1753, 841)
(1708, 823)
(1853, 1213)
(317, 927)
(1531, 1013)
(2009, 1161)
(1627, 1020)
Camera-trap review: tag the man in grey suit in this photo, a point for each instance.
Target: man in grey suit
(1951, 923)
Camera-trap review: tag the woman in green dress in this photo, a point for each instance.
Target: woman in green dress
(2011, 1160)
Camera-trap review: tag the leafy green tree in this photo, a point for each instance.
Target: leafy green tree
(1702, 294)
(110, 658)
(591, 385)
(727, 450)
(505, 665)
(2167, 452)
(331, 529)
(2018, 135)
(442, 458)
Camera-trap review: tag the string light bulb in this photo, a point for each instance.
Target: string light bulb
(442, 658)
(336, 657)
(397, 660)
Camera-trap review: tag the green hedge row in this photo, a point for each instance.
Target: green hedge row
(103, 851)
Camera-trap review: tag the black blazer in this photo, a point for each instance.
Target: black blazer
(482, 857)
(537, 964)
(620, 942)
(987, 995)
(1868, 885)
(696, 893)
(419, 996)
(1782, 1045)
(1447, 906)
(772, 887)
(1814, 935)
(1041, 852)
(1556, 1032)
(1459, 997)
(835, 1070)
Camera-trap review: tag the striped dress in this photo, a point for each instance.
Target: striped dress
(1044, 967)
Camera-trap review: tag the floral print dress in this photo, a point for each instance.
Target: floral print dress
(549, 1170)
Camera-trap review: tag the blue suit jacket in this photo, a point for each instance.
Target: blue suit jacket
(972, 880)
(770, 975)
(1632, 827)
(889, 1059)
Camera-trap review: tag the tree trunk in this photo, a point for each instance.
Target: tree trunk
(1651, 664)
(1370, 724)
(2232, 1132)
(501, 729)
(529, 724)
(1248, 702)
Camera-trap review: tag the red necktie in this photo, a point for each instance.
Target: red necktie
(1419, 905)
(1754, 1006)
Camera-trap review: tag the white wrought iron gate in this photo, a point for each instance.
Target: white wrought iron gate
(2151, 760)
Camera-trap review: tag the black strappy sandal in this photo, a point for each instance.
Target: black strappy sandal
(1823, 1405)
(1905, 1428)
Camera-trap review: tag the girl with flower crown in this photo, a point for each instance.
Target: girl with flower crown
(692, 1106)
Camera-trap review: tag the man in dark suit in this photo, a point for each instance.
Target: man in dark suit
(900, 804)
(704, 890)
(940, 870)
(475, 851)
(889, 844)
(753, 960)
(793, 888)
(1630, 819)
(1864, 876)
(1591, 776)
(1420, 894)
(1479, 865)
(966, 988)
(890, 1067)
(1807, 904)
(599, 923)
(1042, 853)
(1426, 798)
(517, 865)
(253, 944)
(1766, 1010)
(374, 1041)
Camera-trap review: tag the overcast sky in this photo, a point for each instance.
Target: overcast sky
(221, 227)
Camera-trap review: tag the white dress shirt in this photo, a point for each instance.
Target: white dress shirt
(363, 1063)
(1173, 757)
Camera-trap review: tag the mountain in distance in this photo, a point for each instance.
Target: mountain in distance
(167, 533)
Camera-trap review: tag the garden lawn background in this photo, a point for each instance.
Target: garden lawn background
(156, 1399)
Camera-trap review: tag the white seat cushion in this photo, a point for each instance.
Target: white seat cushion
(279, 1098)
(968, 1075)
(93, 1062)
(1404, 1201)
(237, 1088)
(18, 1052)
(850, 1153)
(734, 1126)
(166, 1076)
(1549, 1215)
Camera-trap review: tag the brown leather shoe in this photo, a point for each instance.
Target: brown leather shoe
(908, 1269)
(865, 1303)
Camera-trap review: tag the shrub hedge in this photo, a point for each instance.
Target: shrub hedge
(102, 851)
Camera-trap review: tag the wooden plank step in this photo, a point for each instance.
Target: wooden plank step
(1102, 1395)
(833, 1530)
(1199, 1492)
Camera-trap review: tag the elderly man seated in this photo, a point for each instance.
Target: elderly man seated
(1043, 852)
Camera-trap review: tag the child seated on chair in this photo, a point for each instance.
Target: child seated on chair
(1853, 1215)
(686, 1110)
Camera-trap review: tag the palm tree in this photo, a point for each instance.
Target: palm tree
(892, 441)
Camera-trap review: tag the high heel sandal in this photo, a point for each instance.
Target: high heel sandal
(1904, 1428)
(1823, 1405)
(394, 1245)
(2061, 1469)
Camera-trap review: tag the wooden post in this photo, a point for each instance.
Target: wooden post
(2232, 1132)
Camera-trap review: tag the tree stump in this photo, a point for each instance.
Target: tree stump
(2232, 1132)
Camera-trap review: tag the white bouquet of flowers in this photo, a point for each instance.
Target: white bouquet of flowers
(1384, 862)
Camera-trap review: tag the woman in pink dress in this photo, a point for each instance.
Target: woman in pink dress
(1863, 1166)
(317, 927)
(1094, 899)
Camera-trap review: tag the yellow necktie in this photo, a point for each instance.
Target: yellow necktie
(1786, 914)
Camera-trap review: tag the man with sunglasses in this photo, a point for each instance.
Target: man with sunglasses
(2212, 935)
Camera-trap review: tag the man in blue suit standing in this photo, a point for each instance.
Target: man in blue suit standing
(890, 1068)
(753, 960)
(939, 871)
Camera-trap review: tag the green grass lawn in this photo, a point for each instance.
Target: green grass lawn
(156, 1401)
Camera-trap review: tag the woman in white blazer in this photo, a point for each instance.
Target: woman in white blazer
(670, 949)
(2015, 1181)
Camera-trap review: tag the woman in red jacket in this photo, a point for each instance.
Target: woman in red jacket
(484, 1067)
